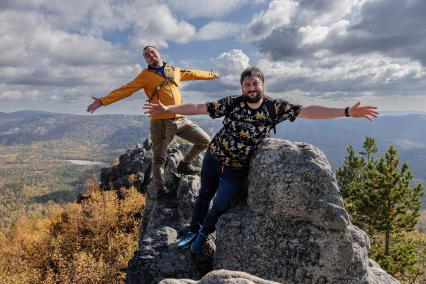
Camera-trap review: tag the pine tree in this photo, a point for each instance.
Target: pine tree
(394, 204)
(379, 197)
(350, 178)
(369, 147)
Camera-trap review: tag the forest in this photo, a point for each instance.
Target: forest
(34, 175)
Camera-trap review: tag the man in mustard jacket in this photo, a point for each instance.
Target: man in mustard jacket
(161, 84)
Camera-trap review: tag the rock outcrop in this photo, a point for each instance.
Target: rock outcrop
(133, 169)
(221, 277)
(292, 228)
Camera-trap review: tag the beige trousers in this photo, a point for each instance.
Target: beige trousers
(162, 133)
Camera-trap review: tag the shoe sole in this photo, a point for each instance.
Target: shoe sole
(185, 245)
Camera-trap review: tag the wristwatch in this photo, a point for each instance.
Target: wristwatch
(347, 112)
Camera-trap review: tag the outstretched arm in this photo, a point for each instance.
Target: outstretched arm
(356, 111)
(187, 109)
(198, 75)
(95, 105)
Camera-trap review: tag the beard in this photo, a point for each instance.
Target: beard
(255, 99)
(156, 62)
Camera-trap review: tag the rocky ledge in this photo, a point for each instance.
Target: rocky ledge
(292, 228)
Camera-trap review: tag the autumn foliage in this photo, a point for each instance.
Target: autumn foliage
(87, 242)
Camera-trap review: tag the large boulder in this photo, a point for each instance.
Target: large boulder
(294, 228)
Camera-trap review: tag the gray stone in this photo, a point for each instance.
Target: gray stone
(165, 219)
(135, 162)
(296, 180)
(294, 228)
(222, 277)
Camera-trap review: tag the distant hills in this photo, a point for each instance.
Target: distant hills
(24, 127)
(406, 132)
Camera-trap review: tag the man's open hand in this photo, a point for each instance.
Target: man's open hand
(368, 112)
(95, 105)
(154, 109)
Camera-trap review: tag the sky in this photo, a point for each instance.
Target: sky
(56, 54)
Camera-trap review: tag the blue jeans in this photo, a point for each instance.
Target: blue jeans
(226, 182)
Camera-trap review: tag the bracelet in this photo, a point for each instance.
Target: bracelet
(347, 112)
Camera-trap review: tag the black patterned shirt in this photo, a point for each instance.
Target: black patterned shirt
(244, 128)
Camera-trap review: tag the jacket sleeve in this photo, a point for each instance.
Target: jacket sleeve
(125, 90)
(186, 75)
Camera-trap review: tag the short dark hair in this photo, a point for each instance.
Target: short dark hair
(252, 72)
(149, 46)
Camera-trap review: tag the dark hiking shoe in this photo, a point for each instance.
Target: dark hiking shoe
(198, 244)
(187, 240)
(187, 169)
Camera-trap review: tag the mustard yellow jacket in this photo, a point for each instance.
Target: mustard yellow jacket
(157, 87)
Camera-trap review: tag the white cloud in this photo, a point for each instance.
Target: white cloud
(326, 12)
(352, 75)
(86, 50)
(63, 14)
(205, 8)
(231, 64)
(279, 14)
(35, 42)
(233, 60)
(312, 35)
(147, 20)
(56, 98)
(18, 95)
(157, 25)
(15, 28)
(389, 27)
(217, 30)
(110, 17)
(12, 95)
(42, 55)
(8, 74)
(33, 95)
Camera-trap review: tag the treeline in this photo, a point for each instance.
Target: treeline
(87, 242)
(383, 201)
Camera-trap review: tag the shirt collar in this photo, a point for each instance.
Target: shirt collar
(157, 68)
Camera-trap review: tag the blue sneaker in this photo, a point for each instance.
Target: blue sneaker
(187, 240)
(198, 244)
